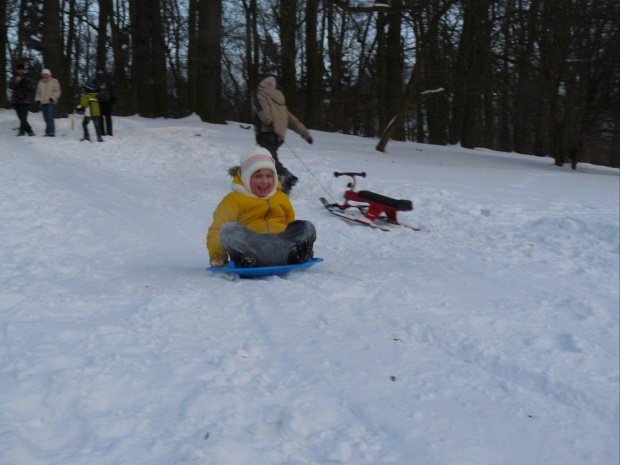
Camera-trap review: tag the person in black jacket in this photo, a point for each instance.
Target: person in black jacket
(23, 88)
(106, 98)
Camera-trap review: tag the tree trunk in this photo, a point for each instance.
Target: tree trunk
(4, 101)
(412, 95)
(394, 69)
(149, 69)
(410, 101)
(124, 104)
(251, 55)
(288, 29)
(53, 51)
(192, 56)
(69, 58)
(472, 56)
(436, 104)
(314, 67)
(380, 73)
(105, 13)
(209, 92)
(158, 63)
(337, 119)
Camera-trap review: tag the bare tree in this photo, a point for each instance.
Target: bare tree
(209, 85)
(314, 66)
(470, 73)
(288, 31)
(149, 58)
(52, 47)
(4, 101)
(413, 92)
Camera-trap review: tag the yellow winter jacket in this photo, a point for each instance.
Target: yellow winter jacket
(90, 104)
(267, 216)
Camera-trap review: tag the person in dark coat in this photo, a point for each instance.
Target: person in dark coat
(22, 87)
(106, 98)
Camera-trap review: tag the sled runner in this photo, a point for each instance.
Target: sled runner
(376, 210)
(265, 270)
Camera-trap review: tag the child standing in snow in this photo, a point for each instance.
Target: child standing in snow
(255, 224)
(89, 107)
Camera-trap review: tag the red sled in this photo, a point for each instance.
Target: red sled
(372, 206)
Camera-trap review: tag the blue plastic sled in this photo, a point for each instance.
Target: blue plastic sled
(265, 270)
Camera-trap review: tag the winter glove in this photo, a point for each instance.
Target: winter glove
(269, 123)
(309, 139)
(38, 102)
(219, 261)
(51, 100)
(79, 110)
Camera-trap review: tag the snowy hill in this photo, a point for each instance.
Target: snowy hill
(490, 337)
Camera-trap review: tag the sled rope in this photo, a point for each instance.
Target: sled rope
(310, 172)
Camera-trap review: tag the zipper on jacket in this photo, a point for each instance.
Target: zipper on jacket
(266, 214)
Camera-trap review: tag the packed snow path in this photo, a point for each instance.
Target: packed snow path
(489, 338)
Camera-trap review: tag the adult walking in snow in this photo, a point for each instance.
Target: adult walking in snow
(271, 119)
(48, 93)
(22, 95)
(106, 99)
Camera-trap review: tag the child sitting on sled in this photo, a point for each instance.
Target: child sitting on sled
(89, 107)
(255, 224)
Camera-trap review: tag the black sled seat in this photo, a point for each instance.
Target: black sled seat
(397, 204)
(379, 206)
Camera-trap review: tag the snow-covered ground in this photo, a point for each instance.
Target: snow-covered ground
(491, 337)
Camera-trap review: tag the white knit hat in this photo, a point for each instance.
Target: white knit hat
(46, 71)
(256, 159)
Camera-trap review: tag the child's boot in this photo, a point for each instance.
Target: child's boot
(97, 123)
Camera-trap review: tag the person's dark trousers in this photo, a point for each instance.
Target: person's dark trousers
(22, 114)
(85, 122)
(272, 142)
(48, 110)
(106, 118)
(96, 123)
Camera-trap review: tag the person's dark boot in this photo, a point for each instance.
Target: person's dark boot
(288, 181)
(300, 253)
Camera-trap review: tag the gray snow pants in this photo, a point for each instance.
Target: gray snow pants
(293, 245)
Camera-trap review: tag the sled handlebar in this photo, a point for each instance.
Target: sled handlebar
(338, 174)
(351, 185)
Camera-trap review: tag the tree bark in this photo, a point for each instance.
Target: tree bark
(288, 30)
(53, 51)
(4, 101)
(394, 69)
(209, 103)
(314, 66)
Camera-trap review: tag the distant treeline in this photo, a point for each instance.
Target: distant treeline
(536, 77)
